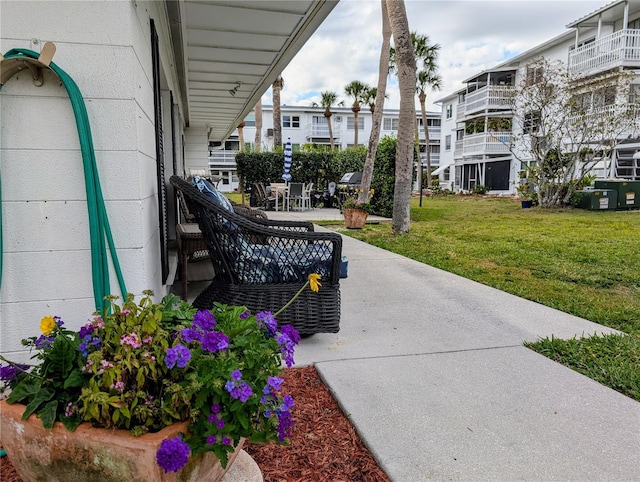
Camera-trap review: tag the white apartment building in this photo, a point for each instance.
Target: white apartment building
(477, 119)
(308, 125)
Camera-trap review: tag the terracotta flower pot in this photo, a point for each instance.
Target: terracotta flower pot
(89, 453)
(355, 218)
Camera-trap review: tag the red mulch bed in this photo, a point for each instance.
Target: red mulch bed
(324, 445)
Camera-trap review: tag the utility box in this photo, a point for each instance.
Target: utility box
(628, 192)
(596, 199)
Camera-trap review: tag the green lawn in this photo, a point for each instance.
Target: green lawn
(582, 262)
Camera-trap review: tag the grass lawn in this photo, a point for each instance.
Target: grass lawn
(586, 263)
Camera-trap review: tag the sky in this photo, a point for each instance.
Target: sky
(473, 35)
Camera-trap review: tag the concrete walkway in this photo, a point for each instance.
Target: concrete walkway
(431, 370)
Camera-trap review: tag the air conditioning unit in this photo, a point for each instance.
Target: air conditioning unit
(269, 132)
(338, 118)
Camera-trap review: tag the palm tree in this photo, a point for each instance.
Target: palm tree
(257, 143)
(327, 100)
(376, 118)
(369, 97)
(277, 86)
(356, 90)
(406, 67)
(427, 78)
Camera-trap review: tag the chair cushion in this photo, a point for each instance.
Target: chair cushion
(206, 188)
(264, 264)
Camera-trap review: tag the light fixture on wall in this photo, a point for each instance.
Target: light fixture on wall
(235, 89)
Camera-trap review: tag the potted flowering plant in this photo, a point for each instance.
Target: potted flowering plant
(144, 368)
(355, 211)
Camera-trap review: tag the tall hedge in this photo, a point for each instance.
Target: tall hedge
(322, 167)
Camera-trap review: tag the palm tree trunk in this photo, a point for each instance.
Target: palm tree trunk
(328, 115)
(355, 120)
(277, 115)
(374, 137)
(423, 111)
(241, 136)
(257, 143)
(406, 63)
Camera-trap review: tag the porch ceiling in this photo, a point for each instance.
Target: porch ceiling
(229, 52)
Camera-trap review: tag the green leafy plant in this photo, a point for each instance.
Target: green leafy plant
(351, 202)
(143, 366)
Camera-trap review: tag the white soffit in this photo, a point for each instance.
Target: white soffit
(230, 52)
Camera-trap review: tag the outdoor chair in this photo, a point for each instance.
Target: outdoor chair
(306, 196)
(262, 264)
(264, 199)
(295, 195)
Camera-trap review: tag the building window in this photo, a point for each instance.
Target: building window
(390, 124)
(531, 122)
(291, 121)
(449, 110)
(534, 74)
(634, 93)
(634, 24)
(351, 123)
(447, 143)
(250, 120)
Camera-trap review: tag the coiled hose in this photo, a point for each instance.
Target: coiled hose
(99, 229)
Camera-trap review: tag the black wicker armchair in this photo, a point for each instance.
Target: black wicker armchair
(262, 264)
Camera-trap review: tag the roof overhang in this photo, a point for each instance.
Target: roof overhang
(607, 14)
(229, 52)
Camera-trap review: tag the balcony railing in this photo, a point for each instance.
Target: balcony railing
(434, 133)
(621, 48)
(621, 116)
(486, 143)
(222, 158)
(460, 110)
(435, 159)
(320, 131)
(489, 97)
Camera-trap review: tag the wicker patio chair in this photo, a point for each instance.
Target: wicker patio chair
(265, 275)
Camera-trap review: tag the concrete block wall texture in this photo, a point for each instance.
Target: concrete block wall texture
(105, 48)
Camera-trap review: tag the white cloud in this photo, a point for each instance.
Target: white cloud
(473, 35)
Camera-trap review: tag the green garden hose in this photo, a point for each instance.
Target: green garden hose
(99, 228)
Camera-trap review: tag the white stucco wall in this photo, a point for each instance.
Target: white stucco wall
(105, 48)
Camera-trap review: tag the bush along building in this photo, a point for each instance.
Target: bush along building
(559, 114)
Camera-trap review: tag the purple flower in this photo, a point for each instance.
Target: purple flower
(266, 320)
(275, 382)
(212, 418)
(226, 440)
(44, 341)
(189, 335)
(220, 423)
(10, 371)
(215, 341)
(215, 408)
(178, 355)
(285, 422)
(211, 439)
(86, 330)
(237, 388)
(173, 454)
(205, 320)
(236, 375)
(290, 332)
(245, 315)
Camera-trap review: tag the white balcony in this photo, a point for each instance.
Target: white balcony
(222, 158)
(460, 110)
(434, 133)
(435, 159)
(321, 131)
(628, 114)
(619, 49)
(486, 143)
(457, 150)
(489, 97)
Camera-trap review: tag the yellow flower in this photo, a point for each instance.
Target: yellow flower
(314, 282)
(47, 324)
